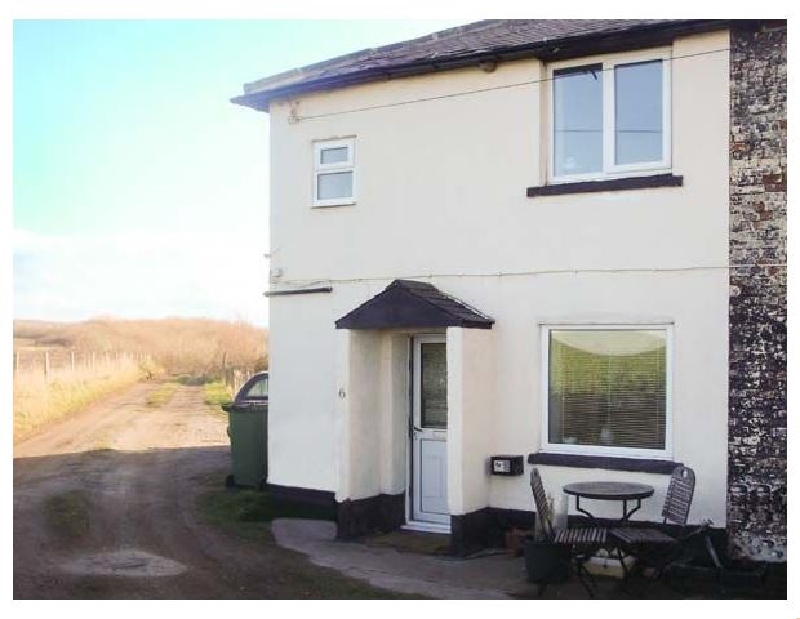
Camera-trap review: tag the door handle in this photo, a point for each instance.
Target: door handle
(416, 429)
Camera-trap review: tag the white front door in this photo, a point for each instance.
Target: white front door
(429, 431)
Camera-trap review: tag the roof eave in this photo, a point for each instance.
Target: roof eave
(557, 49)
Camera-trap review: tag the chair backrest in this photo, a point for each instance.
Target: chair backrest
(542, 508)
(679, 496)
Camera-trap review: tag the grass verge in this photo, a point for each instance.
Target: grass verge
(247, 514)
(68, 514)
(159, 397)
(244, 507)
(216, 393)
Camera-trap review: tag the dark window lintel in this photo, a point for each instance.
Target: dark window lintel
(286, 293)
(638, 465)
(612, 184)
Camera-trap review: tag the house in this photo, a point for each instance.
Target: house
(560, 241)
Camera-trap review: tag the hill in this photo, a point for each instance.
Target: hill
(179, 345)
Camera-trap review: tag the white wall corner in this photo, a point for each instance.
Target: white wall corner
(455, 420)
(479, 410)
(342, 408)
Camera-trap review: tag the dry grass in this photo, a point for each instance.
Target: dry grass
(38, 401)
(195, 346)
(176, 346)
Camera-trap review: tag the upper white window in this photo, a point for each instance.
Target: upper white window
(334, 172)
(607, 390)
(610, 118)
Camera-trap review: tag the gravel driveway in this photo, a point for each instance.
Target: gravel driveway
(105, 507)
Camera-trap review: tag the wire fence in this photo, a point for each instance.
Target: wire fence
(61, 364)
(58, 363)
(235, 378)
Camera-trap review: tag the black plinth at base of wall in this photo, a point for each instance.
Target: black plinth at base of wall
(485, 528)
(377, 514)
(323, 501)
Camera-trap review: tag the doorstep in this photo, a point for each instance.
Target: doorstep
(427, 527)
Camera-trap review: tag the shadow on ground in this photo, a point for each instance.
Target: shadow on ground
(112, 524)
(159, 524)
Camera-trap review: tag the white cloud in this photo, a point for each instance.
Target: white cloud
(140, 275)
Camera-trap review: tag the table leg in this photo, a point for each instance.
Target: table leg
(627, 514)
(583, 511)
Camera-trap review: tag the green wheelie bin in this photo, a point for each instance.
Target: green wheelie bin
(247, 428)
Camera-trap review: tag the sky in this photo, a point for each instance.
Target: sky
(139, 190)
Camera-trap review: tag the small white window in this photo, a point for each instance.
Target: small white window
(334, 173)
(607, 390)
(610, 118)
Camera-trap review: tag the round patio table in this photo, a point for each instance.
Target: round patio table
(609, 491)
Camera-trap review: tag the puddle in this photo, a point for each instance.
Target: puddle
(123, 563)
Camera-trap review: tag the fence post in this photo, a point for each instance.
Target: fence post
(92, 359)
(46, 363)
(16, 361)
(72, 360)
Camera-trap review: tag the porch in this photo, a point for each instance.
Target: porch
(413, 364)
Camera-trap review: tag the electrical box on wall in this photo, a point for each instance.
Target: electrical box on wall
(506, 465)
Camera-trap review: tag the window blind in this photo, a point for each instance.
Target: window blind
(607, 388)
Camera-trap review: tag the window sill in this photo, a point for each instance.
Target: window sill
(333, 204)
(611, 184)
(638, 465)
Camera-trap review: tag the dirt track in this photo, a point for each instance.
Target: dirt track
(104, 507)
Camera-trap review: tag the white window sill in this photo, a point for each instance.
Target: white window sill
(333, 204)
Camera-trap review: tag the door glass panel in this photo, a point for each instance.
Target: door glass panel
(433, 385)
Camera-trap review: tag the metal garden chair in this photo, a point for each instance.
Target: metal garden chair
(582, 543)
(652, 547)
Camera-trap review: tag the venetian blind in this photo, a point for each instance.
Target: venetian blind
(607, 388)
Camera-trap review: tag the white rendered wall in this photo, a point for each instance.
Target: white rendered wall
(441, 184)
(302, 401)
(470, 412)
(441, 195)
(366, 415)
(371, 424)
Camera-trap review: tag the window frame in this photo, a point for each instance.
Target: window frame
(602, 450)
(610, 169)
(320, 168)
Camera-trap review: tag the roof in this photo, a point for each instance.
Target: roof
(408, 304)
(468, 45)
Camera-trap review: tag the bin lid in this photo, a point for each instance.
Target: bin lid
(245, 407)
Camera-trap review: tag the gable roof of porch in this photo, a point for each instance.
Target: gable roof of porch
(407, 304)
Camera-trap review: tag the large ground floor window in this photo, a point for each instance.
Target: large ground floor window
(607, 390)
